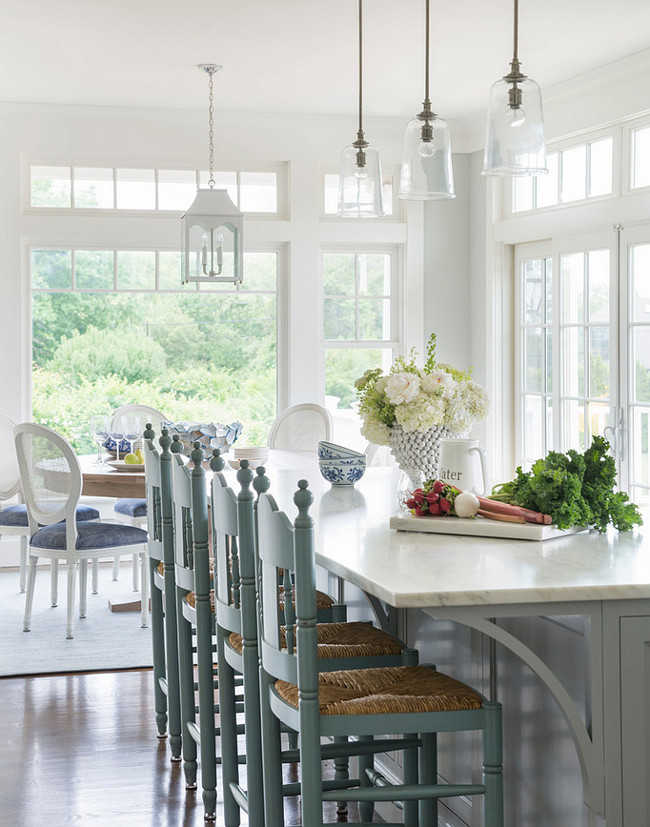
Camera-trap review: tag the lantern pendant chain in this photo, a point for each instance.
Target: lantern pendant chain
(211, 68)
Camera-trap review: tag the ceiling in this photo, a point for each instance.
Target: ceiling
(300, 56)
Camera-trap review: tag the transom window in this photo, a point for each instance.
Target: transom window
(331, 194)
(114, 188)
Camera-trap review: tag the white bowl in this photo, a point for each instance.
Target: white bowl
(341, 473)
(258, 453)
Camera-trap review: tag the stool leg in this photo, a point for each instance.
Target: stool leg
(410, 771)
(365, 762)
(429, 775)
(492, 770)
(228, 739)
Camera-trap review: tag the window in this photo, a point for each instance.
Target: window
(331, 193)
(108, 188)
(116, 326)
(576, 173)
(359, 317)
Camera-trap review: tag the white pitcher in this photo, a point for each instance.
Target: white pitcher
(463, 463)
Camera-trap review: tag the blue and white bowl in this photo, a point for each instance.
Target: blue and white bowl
(329, 450)
(343, 471)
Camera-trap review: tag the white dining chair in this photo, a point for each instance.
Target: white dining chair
(301, 427)
(51, 481)
(133, 510)
(13, 514)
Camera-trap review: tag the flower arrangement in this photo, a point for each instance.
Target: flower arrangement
(418, 399)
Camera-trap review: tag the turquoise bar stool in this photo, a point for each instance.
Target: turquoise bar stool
(354, 702)
(157, 584)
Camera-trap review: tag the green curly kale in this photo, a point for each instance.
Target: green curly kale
(574, 488)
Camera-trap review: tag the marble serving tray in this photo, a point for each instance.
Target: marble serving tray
(480, 527)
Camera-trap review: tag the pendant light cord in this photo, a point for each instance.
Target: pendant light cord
(515, 54)
(426, 55)
(360, 68)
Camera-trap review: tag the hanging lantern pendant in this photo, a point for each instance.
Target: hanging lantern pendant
(212, 226)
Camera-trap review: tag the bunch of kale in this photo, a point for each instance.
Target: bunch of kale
(575, 489)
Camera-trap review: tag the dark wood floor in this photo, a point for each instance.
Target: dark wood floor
(82, 749)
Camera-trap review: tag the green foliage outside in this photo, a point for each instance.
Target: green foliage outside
(196, 357)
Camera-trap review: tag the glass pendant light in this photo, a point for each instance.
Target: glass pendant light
(514, 140)
(360, 181)
(212, 227)
(427, 172)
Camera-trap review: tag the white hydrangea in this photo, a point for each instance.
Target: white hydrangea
(402, 387)
(375, 432)
(468, 405)
(421, 413)
(437, 381)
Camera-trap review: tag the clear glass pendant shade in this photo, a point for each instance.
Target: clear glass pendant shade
(360, 183)
(514, 140)
(427, 172)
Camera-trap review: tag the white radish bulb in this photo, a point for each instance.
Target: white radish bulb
(466, 504)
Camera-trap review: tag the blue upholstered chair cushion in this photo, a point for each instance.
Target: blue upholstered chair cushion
(90, 536)
(131, 507)
(16, 515)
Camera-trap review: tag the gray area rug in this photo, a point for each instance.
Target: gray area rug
(104, 640)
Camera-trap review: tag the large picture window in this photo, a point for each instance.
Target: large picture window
(111, 327)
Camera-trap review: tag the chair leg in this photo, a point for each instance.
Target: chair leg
(116, 567)
(29, 595)
(492, 770)
(158, 649)
(428, 808)
(83, 587)
(410, 772)
(54, 583)
(188, 701)
(95, 581)
(72, 578)
(136, 572)
(254, 776)
(23, 562)
(140, 564)
(365, 762)
(271, 760)
(228, 738)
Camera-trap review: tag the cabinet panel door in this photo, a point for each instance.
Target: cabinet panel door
(635, 719)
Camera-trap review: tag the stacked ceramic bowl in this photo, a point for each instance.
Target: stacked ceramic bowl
(340, 465)
(256, 455)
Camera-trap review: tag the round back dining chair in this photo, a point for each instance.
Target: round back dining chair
(52, 481)
(301, 427)
(13, 518)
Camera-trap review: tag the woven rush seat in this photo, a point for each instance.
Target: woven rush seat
(190, 598)
(343, 640)
(323, 601)
(391, 690)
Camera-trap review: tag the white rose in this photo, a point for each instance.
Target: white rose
(436, 381)
(402, 387)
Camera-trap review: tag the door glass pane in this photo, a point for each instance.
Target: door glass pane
(52, 268)
(598, 414)
(574, 425)
(534, 427)
(50, 187)
(641, 458)
(599, 363)
(338, 274)
(574, 173)
(573, 353)
(136, 270)
(573, 276)
(259, 192)
(343, 366)
(641, 158)
(533, 287)
(598, 269)
(93, 269)
(641, 361)
(549, 360)
(640, 275)
(547, 185)
(534, 360)
(339, 319)
(94, 188)
(136, 189)
(176, 189)
(548, 262)
(522, 193)
(600, 167)
(374, 318)
(374, 275)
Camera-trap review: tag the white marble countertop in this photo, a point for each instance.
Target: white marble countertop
(411, 569)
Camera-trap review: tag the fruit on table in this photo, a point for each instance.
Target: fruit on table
(132, 459)
(140, 456)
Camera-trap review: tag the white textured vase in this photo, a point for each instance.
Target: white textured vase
(418, 449)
